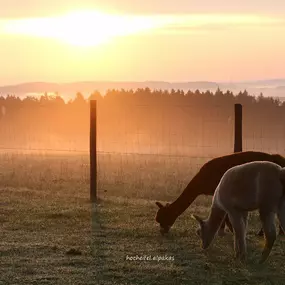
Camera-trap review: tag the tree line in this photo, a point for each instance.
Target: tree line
(143, 120)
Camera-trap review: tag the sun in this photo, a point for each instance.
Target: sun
(82, 28)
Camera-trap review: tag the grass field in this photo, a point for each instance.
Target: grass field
(50, 234)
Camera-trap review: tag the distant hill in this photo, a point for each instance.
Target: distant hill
(275, 87)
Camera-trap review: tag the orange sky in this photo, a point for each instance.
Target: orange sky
(104, 42)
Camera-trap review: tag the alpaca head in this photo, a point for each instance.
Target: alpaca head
(203, 232)
(164, 217)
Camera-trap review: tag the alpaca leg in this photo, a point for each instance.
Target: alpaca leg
(245, 222)
(268, 224)
(281, 232)
(228, 223)
(237, 221)
(245, 219)
(281, 217)
(243, 235)
(222, 228)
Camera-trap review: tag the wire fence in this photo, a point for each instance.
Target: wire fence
(143, 152)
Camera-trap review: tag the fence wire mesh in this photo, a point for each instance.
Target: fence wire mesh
(144, 151)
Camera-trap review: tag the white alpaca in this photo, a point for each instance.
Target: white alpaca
(247, 187)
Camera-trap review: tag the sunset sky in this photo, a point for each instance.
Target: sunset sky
(128, 40)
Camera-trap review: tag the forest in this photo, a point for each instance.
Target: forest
(143, 121)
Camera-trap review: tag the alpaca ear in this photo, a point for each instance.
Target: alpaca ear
(159, 205)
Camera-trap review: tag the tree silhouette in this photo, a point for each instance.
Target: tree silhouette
(200, 117)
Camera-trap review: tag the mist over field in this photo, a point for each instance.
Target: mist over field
(143, 121)
(269, 88)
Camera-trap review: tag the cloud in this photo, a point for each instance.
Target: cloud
(83, 28)
(159, 24)
(217, 22)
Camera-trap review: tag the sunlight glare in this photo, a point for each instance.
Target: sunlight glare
(91, 28)
(82, 28)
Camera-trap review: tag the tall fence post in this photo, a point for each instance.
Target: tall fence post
(93, 151)
(238, 128)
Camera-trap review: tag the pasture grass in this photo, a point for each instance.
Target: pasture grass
(132, 176)
(51, 234)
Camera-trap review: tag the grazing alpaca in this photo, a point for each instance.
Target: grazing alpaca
(243, 188)
(206, 181)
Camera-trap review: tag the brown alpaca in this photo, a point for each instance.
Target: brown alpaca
(205, 183)
(243, 188)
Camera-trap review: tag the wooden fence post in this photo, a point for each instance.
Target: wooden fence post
(93, 151)
(238, 128)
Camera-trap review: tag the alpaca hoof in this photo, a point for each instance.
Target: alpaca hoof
(241, 259)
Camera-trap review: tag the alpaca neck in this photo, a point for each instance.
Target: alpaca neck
(186, 198)
(214, 221)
